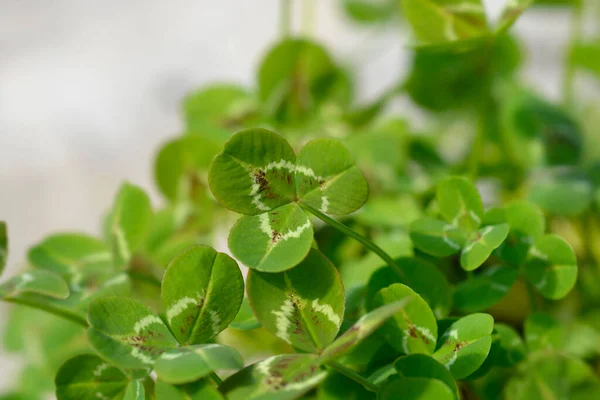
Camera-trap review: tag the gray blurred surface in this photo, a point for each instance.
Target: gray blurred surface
(89, 89)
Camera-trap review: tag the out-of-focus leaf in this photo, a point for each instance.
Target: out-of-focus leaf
(36, 282)
(484, 290)
(562, 197)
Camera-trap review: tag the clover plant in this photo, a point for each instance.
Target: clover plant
(366, 258)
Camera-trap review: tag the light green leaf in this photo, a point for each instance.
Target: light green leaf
(484, 290)
(188, 364)
(466, 344)
(130, 221)
(202, 292)
(563, 197)
(3, 246)
(423, 366)
(442, 21)
(424, 278)
(181, 164)
(416, 389)
(413, 329)
(200, 390)
(127, 333)
(364, 327)
(586, 55)
(88, 377)
(552, 267)
(459, 203)
(512, 11)
(273, 241)
(135, 391)
(486, 240)
(299, 309)
(76, 257)
(436, 237)
(37, 282)
(245, 319)
(283, 377)
(254, 173)
(327, 179)
(369, 11)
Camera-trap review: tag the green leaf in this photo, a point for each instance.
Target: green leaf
(363, 328)
(512, 11)
(484, 290)
(74, 256)
(254, 173)
(282, 377)
(326, 178)
(486, 240)
(459, 203)
(202, 292)
(337, 386)
(542, 331)
(424, 278)
(35, 281)
(3, 246)
(586, 55)
(299, 309)
(416, 389)
(552, 267)
(509, 349)
(127, 333)
(369, 11)
(188, 364)
(423, 366)
(466, 344)
(245, 319)
(414, 328)
(273, 241)
(130, 221)
(441, 21)
(435, 237)
(135, 391)
(181, 163)
(563, 197)
(200, 390)
(88, 377)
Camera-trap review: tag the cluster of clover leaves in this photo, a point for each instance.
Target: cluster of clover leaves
(294, 290)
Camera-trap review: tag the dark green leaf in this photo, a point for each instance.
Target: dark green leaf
(423, 366)
(484, 290)
(416, 389)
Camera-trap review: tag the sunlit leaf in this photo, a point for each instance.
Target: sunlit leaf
(486, 240)
(459, 203)
(301, 310)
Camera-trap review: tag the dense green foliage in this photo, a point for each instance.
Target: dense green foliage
(378, 262)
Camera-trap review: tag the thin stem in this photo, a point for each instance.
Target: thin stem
(216, 378)
(285, 17)
(48, 307)
(370, 386)
(356, 236)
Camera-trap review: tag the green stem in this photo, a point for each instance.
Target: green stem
(49, 307)
(356, 236)
(370, 386)
(216, 378)
(286, 17)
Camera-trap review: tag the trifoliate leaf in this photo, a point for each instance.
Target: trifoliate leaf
(413, 329)
(130, 221)
(245, 319)
(486, 240)
(35, 282)
(435, 237)
(201, 390)
(88, 377)
(327, 178)
(424, 278)
(74, 256)
(459, 203)
(442, 21)
(188, 364)
(423, 366)
(3, 246)
(283, 377)
(552, 266)
(272, 241)
(202, 292)
(484, 290)
(299, 309)
(181, 163)
(364, 327)
(466, 344)
(127, 333)
(416, 389)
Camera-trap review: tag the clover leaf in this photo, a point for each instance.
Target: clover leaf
(486, 289)
(424, 366)
(459, 203)
(258, 175)
(411, 388)
(200, 390)
(298, 309)
(36, 282)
